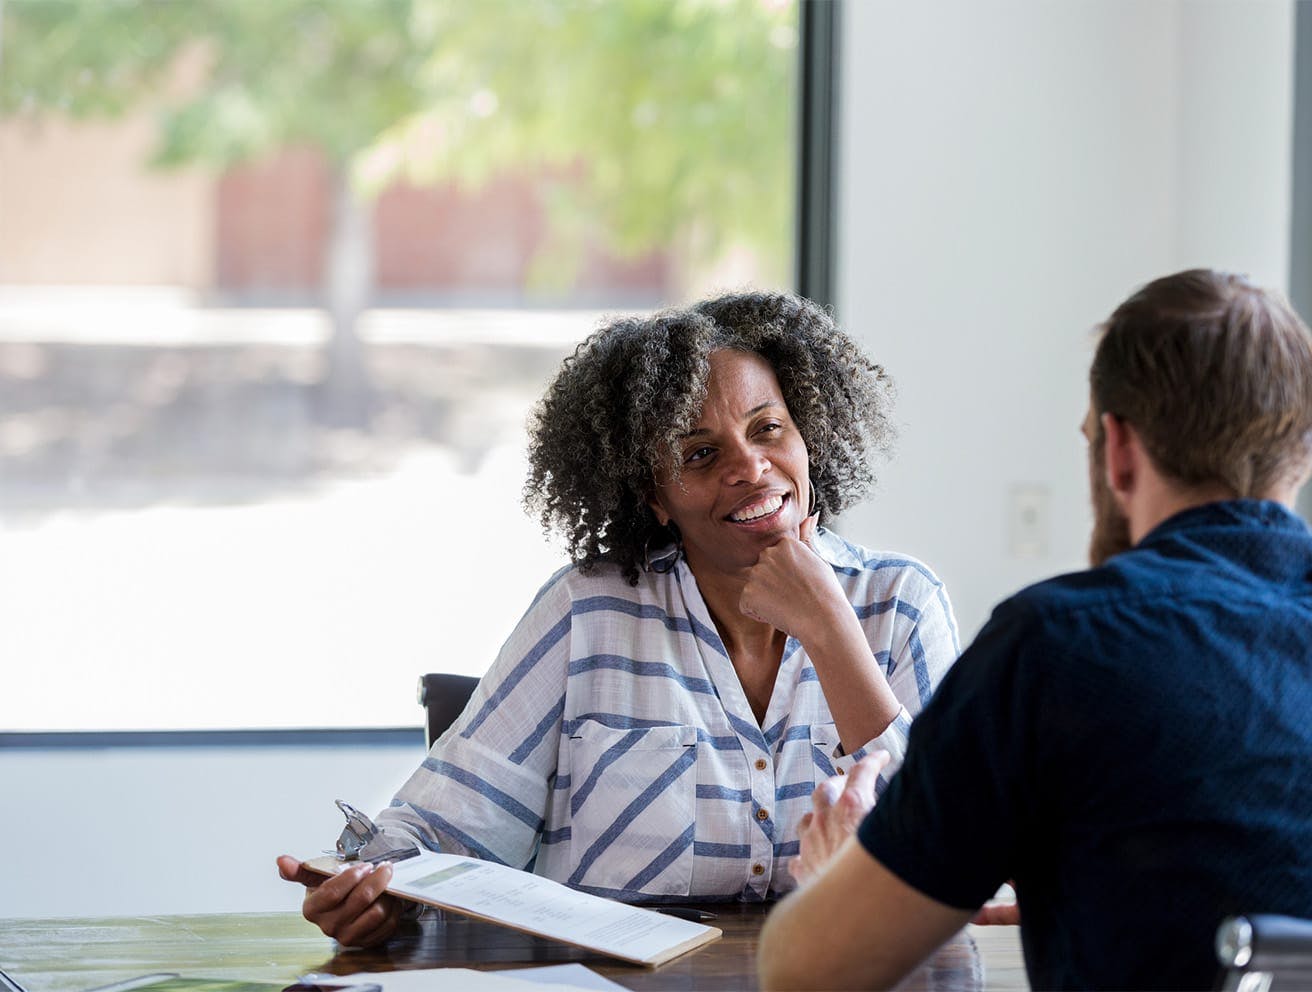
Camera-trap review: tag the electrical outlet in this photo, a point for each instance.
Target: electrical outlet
(1027, 520)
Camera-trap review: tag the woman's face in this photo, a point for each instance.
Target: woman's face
(744, 480)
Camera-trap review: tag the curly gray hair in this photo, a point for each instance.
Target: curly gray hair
(620, 404)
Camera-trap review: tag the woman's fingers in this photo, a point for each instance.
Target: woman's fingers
(375, 924)
(352, 906)
(332, 893)
(790, 587)
(292, 870)
(338, 906)
(806, 533)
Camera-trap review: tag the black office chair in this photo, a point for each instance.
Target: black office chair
(443, 697)
(1263, 953)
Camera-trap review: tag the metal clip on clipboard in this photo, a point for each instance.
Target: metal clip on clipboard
(361, 840)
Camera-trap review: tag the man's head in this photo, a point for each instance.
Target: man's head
(1214, 378)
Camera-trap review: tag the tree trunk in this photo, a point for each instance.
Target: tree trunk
(348, 282)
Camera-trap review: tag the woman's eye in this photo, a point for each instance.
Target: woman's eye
(697, 454)
(770, 428)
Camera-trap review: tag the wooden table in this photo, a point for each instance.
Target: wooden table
(75, 954)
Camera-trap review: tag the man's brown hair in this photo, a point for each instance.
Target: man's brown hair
(1215, 374)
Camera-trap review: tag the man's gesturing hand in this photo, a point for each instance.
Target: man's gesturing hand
(838, 806)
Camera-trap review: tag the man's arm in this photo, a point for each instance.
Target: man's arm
(857, 925)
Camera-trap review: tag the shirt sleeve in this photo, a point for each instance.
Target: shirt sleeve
(950, 823)
(483, 788)
(916, 666)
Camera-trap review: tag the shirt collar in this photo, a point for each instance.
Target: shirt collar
(833, 549)
(1263, 513)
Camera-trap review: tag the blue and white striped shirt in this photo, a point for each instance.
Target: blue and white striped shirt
(611, 745)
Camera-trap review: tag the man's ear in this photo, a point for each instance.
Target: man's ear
(1123, 453)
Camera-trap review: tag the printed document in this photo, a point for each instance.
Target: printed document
(539, 906)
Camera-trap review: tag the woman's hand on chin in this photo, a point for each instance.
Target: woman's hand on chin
(791, 587)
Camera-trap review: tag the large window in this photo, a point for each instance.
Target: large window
(279, 285)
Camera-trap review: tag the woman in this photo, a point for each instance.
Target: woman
(656, 723)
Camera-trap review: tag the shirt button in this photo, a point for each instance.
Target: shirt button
(842, 771)
(760, 764)
(763, 814)
(758, 869)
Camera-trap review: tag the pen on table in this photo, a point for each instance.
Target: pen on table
(696, 915)
(9, 985)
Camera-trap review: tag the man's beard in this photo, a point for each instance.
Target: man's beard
(1111, 528)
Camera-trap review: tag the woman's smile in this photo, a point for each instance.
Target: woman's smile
(759, 511)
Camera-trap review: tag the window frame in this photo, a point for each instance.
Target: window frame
(1300, 226)
(815, 236)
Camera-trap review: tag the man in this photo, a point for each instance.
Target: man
(1131, 745)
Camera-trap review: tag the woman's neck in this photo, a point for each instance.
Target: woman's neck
(755, 648)
(747, 640)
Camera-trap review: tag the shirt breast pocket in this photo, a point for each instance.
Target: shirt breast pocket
(824, 742)
(633, 799)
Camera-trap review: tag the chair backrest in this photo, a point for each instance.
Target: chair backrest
(1263, 953)
(444, 697)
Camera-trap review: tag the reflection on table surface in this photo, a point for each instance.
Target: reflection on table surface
(70, 955)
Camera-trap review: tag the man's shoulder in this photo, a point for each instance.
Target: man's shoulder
(1070, 591)
(1133, 576)
(1091, 611)
(1052, 618)
(1174, 569)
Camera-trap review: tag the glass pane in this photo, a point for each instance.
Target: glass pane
(279, 285)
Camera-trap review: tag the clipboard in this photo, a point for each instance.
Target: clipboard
(536, 905)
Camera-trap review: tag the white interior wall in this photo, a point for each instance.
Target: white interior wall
(140, 831)
(1009, 172)
(1234, 168)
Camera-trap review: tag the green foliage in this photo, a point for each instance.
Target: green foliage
(87, 59)
(669, 122)
(670, 119)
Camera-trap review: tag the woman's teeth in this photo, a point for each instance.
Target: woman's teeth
(757, 511)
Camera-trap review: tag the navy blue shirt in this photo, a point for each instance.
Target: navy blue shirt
(1133, 746)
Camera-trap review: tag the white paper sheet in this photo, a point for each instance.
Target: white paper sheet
(531, 902)
(445, 980)
(573, 975)
(560, 978)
